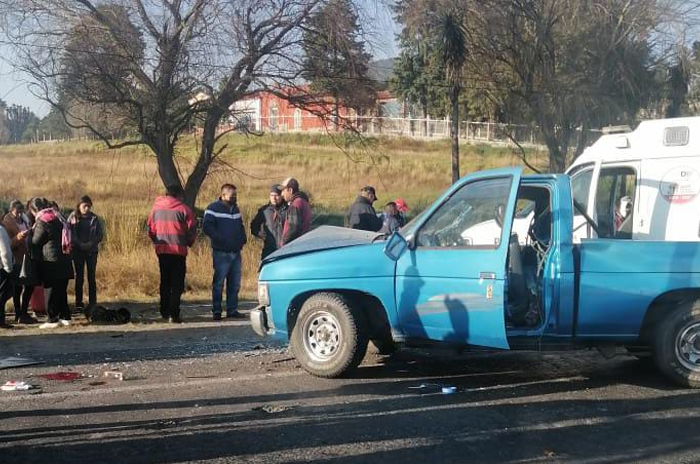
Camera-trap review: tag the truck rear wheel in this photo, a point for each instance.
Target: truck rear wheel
(329, 337)
(677, 345)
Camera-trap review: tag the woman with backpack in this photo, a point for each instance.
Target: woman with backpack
(51, 246)
(86, 235)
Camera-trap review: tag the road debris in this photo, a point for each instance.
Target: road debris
(274, 409)
(114, 375)
(17, 385)
(13, 361)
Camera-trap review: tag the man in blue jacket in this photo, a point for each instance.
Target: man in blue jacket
(223, 224)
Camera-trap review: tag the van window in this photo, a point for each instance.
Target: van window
(614, 202)
(580, 186)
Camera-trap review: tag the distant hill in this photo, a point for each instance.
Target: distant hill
(381, 70)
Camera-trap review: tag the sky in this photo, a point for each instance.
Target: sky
(377, 19)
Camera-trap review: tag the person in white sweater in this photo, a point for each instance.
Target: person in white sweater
(6, 264)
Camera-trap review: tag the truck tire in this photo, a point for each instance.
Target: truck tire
(677, 345)
(329, 337)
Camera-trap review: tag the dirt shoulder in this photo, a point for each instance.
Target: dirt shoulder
(144, 317)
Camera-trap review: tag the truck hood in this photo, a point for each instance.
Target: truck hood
(323, 238)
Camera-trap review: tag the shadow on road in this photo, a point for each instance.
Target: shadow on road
(509, 407)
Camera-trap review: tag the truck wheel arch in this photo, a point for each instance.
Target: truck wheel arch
(662, 306)
(374, 311)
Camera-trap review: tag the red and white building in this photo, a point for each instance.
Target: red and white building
(271, 112)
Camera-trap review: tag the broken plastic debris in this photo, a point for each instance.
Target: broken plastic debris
(15, 385)
(114, 375)
(424, 385)
(274, 409)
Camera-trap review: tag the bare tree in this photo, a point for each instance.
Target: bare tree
(160, 66)
(574, 65)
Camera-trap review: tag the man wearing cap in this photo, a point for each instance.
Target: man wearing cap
(297, 220)
(223, 224)
(361, 214)
(268, 222)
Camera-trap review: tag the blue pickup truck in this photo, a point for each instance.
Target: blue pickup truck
(459, 274)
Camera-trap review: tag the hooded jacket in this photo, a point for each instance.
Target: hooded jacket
(171, 226)
(96, 231)
(223, 224)
(297, 220)
(362, 215)
(47, 250)
(267, 226)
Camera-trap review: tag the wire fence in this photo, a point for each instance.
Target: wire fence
(415, 128)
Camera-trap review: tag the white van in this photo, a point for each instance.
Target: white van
(643, 184)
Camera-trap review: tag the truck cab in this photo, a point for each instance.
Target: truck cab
(461, 274)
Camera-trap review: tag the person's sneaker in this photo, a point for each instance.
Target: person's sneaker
(175, 320)
(64, 322)
(217, 316)
(49, 325)
(234, 315)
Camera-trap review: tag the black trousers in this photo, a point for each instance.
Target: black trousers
(172, 283)
(81, 261)
(21, 296)
(5, 292)
(57, 291)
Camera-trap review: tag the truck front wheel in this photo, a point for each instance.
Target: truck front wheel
(329, 337)
(677, 345)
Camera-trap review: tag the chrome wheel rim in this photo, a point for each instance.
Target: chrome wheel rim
(322, 336)
(688, 347)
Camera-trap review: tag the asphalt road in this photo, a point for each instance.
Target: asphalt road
(220, 395)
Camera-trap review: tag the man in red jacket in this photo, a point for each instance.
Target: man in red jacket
(172, 228)
(297, 219)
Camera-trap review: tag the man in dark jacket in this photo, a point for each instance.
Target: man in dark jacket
(223, 224)
(268, 222)
(172, 228)
(361, 214)
(297, 218)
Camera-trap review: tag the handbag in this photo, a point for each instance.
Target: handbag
(28, 271)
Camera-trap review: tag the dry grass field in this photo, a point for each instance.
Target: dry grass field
(123, 183)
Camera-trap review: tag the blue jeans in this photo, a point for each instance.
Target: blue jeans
(227, 266)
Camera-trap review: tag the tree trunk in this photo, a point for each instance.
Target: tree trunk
(424, 105)
(206, 157)
(454, 131)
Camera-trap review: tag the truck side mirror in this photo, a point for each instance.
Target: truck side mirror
(395, 246)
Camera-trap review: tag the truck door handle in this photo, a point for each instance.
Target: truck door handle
(487, 275)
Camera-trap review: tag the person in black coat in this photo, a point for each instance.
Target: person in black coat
(267, 223)
(54, 261)
(361, 214)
